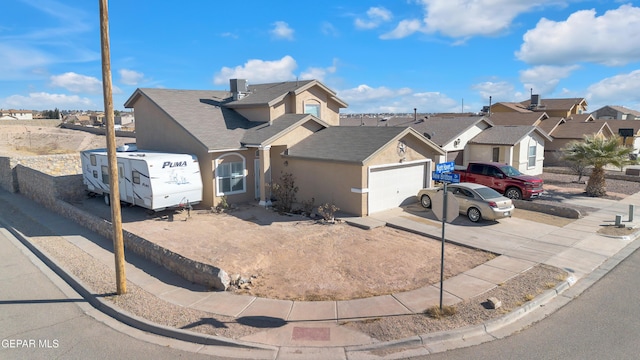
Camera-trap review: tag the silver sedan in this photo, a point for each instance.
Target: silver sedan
(476, 201)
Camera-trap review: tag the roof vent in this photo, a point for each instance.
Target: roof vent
(535, 101)
(239, 88)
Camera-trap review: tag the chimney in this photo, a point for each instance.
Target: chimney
(239, 88)
(535, 101)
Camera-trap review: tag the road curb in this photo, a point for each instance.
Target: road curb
(124, 316)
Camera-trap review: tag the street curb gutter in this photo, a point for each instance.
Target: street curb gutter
(548, 302)
(124, 316)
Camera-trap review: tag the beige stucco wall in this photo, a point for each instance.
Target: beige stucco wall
(259, 114)
(327, 182)
(155, 130)
(298, 134)
(329, 110)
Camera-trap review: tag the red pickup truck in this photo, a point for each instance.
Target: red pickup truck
(505, 179)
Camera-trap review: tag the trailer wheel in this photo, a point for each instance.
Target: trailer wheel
(107, 199)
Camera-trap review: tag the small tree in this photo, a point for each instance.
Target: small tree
(598, 151)
(284, 192)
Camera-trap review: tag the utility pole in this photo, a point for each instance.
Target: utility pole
(114, 193)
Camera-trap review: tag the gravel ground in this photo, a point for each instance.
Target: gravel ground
(100, 278)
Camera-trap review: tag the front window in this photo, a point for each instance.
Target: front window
(532, 156)
(230, 177)
(312, 109)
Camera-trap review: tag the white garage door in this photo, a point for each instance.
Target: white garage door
(393, 186)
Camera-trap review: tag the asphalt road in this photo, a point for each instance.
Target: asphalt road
(41, 317)
(602, 323)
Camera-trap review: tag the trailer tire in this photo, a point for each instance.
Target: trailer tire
(107, 199)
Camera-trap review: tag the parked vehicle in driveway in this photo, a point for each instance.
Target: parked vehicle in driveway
(475, 201)
(503, 178)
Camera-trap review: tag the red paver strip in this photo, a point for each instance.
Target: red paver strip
(314, 334)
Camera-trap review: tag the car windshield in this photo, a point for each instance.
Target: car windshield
(510, 170)
(488, 193)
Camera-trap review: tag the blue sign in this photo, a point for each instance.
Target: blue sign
(445, 167)
(446, 177)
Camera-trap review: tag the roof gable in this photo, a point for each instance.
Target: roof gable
(577, 130)
(353, 144)
(265, 134)
(201, 113)
(507, 135)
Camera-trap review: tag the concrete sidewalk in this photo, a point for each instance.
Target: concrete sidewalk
(312, 330)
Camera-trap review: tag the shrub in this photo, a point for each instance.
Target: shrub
(328, 211)
(435, 312)
(284, 192)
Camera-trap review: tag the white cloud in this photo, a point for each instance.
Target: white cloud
(18, 62)
(365, 99)
(44, 101)
(375, 17)
(259, 71)
(329, 30)
(622, 89)
(281, 30)
(404, 29)
(610, 39)
(77, 83)
(498, 91)
(130, 77)
(465, 18)
(544, 79)
(315, 73)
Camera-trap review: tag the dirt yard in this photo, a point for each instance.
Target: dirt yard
(297, 258)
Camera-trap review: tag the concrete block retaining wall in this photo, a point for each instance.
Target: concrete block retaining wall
(57, 192)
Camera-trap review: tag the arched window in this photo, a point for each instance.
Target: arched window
(230, 174)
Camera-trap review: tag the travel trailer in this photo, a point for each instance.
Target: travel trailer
(152, 180)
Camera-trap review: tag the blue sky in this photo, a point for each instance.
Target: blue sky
(379, 56)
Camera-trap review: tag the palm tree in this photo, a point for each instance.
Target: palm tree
(598, 151)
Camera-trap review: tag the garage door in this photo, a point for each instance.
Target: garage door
(393, 186)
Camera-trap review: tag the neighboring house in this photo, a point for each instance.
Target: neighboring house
(610, 112)
(552, 107)
(478, 138)
(628, 130)
(521, 146)
(12, 114)
(570, 131)
(247, 138)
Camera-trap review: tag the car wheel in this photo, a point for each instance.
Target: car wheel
(425, 201)
(107, 200)
(513, 193)
(474, 214)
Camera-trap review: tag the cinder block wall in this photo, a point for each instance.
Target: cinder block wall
(57, 192)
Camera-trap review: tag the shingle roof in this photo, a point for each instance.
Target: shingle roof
(547, 125)
(556, 104)
(625, 110)
(517, 118)
(260, 135)
(577, 130)
(616, 125)
(200, 113)
(506, 135)
(353, 144)
(441, 130)
(270, 94)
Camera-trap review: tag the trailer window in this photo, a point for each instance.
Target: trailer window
(105, 174)
(135, 177)
(230, 177)
(92, 158)
(95, 174)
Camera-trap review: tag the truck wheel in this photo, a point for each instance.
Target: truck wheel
(425, 201)
(513, 193)
(107, 200)
(474, 214)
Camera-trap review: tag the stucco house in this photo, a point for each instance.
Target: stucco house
(613, 112)
(245, 139)
(478, 138)
(564, 107)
